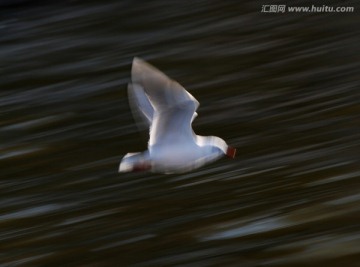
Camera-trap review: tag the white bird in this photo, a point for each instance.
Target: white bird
(168, 110)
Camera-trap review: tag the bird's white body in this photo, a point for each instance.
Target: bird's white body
(168, 110)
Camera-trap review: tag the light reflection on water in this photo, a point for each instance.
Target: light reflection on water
(281, 88)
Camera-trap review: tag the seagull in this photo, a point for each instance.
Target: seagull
(167, 109)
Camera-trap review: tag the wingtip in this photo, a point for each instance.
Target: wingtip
(136, 59)
(138, 65)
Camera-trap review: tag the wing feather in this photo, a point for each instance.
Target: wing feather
(166, 107)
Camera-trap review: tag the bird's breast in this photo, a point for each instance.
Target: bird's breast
(174, 156)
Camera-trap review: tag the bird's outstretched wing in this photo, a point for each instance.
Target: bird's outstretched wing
(141, 107)
(163, 103)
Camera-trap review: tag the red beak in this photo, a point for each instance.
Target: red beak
(231, 152)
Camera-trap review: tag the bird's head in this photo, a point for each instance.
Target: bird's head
(215, 145)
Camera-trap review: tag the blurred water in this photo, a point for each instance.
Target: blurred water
(282, 88)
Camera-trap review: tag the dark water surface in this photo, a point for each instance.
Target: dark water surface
(282, 88)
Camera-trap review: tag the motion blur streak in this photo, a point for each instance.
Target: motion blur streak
(282, 88)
